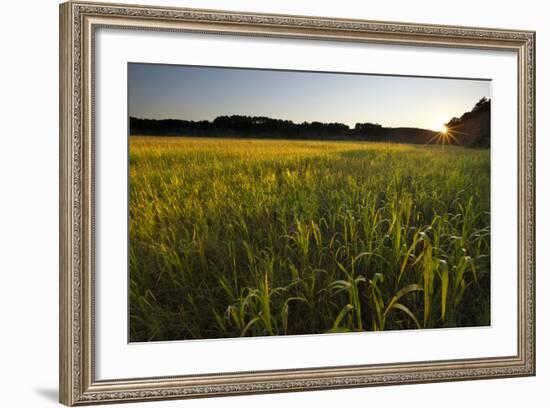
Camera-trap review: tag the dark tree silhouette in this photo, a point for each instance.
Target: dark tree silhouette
(473, 128)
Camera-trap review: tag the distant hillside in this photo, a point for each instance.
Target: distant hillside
(378, 133)
(472, 129)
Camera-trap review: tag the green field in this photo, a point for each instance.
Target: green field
(237, 237)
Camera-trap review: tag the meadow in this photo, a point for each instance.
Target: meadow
(243, 237)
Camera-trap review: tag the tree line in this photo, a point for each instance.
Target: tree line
(262, 127)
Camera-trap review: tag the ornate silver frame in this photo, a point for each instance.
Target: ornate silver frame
(78, 22)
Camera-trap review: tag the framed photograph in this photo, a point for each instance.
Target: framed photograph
(256, 203)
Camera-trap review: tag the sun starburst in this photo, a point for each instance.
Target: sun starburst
(446, 135)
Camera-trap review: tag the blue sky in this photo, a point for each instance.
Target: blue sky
(157, 91)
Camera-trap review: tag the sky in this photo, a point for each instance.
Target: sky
(158, 91)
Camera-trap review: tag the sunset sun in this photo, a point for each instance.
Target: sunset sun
(444, 129)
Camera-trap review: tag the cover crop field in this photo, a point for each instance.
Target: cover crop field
(240, 237)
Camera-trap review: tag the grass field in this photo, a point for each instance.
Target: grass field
(235, 237)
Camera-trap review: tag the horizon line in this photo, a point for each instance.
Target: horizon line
(285, 120)
(298, 123)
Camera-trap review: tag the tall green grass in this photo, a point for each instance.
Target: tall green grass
(232, 237)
